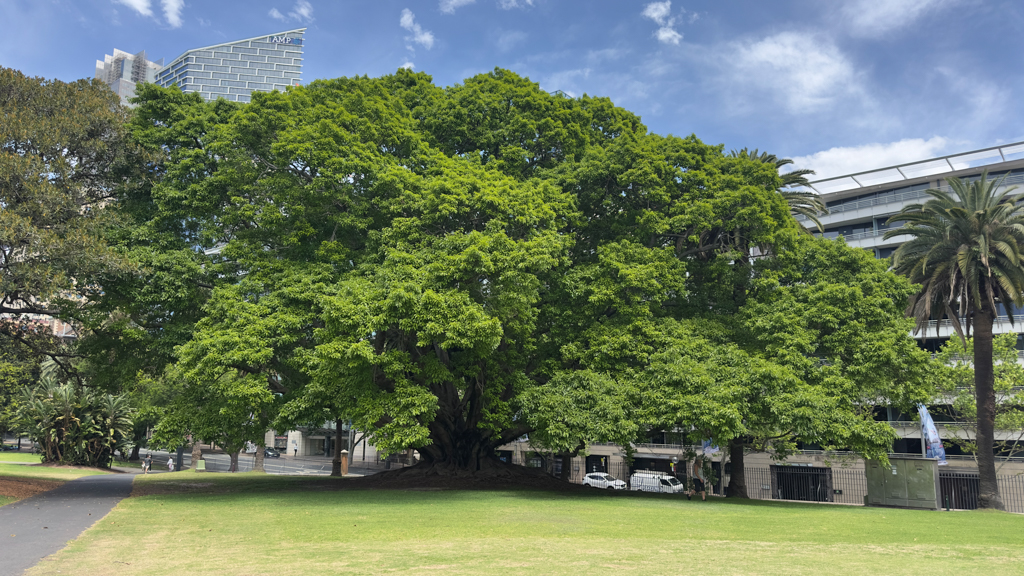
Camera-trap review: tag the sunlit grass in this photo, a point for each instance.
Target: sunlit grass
(46, 472)
(20, 457)
(269, 525)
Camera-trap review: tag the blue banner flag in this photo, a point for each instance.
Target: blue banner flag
(708, 449)
(930, 436)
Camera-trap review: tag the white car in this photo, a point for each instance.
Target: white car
(648, 481)
(602, 480)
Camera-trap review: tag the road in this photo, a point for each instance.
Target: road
(43, 524)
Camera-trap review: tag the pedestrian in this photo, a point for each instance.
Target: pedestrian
(147, 463)
(170, 464)
(699, 478)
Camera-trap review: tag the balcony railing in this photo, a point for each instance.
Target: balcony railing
(861, 235)
(958, 357)
(914, 170)
(1011, 180)
(945, 323)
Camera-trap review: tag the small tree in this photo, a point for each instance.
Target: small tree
(955, 386)
(75, 425)
(231, 412)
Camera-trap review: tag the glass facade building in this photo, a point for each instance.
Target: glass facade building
(234, 70)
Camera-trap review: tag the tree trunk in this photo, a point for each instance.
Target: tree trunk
(985, 395)
(566, 466)
(257, 465)
(336, 463)
(738, 478)
(197, 455)
(234, 461)
(135, 453)
(468, 451)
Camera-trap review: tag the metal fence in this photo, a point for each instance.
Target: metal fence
(805, 483)
(837, 485)
(959, 490)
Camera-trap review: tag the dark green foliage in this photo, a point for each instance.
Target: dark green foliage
(74, 424)
(64, 154)
(456, 268)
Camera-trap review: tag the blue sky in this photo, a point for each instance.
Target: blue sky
(839, 85)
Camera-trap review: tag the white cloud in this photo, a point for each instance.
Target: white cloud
(659, 12)
(449, 6)
(804, 73)
(875, 18)
(172, 11)
(667, 35)
(507, 40)
(302, 12)
(852, 159)
(407, 66)
(420, 36)
(510, 4)
(140, 6)
(982, 102)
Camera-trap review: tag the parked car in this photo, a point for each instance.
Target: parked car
(647, 481)
(271, 453)
(602, 480)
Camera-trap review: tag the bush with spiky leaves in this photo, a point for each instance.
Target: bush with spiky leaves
(74, 424)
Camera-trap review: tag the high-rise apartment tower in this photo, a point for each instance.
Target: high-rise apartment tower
(121, 71)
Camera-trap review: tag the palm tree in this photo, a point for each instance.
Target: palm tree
(967, 253)
(795, 186)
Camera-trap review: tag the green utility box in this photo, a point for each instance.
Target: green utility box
(905, 483)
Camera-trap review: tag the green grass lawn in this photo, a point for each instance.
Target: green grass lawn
(46, 472)
(7, 500)
(250, 524)
(20, 457)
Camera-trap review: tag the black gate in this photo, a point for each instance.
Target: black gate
(807, 483)
(959, 489)
(597, 464)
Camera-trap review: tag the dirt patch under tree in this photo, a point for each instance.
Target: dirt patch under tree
(20, 488)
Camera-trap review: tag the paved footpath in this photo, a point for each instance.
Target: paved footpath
(36, 527)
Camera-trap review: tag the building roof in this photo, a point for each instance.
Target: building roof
(230, 42)
(915, 171)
